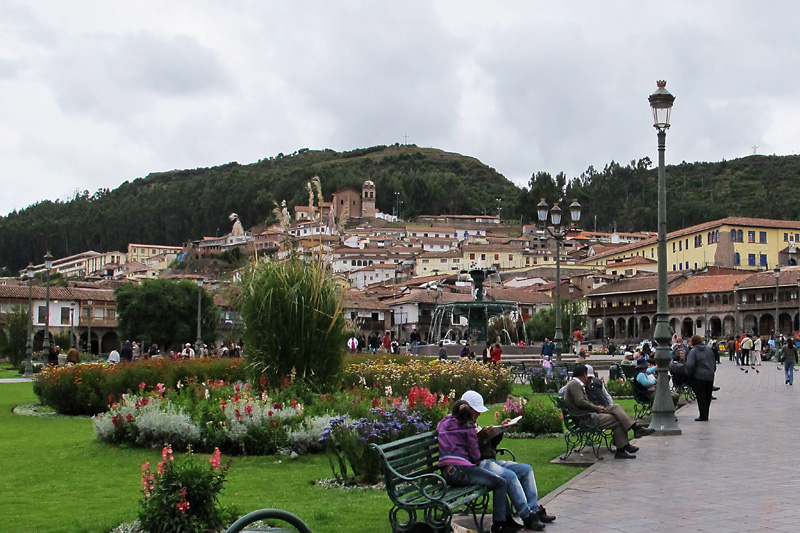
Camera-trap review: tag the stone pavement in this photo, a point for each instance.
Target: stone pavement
(733, 473)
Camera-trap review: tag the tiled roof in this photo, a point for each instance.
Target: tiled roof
(788, 276)
(519, 294)
(636, 260)
(56, 293)
(638, 283)
(702, 283)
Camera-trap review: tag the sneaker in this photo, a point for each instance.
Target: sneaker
(640, 432)
(513, 525)
(532, 523)
(543, 516)
(630, 448)
(623, 454)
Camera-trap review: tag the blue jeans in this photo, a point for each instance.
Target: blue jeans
(521, 484)
(414, 347)
(788, 368)
(462, 476)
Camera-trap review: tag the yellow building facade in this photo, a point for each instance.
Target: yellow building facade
(733, 242)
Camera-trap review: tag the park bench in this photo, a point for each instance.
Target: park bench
(419, 493)
(680, 385)
(270, 515)
(629, 371)
(580, 431)
(518, 371)
(644, 404)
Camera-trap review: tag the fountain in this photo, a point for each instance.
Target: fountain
(478, 312)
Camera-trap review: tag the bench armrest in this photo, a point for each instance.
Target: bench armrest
(431, 486)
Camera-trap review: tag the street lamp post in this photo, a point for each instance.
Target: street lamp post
(605, 303)
(29, 344)
(777, 273)
(559, 232)
(199, 343)
(72, 324)
(798, 304)
(571, 290)
(89, 334)
(397, 204)
(499, 207)
(663, 419)
(736, 325)
(635, 326)
(48, 264)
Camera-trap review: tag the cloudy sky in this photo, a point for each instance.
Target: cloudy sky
(96, 92)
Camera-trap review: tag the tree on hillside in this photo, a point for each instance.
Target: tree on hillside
(165, 312)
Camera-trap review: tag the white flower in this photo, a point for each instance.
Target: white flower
(208, 395)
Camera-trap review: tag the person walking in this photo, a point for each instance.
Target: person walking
(415, 338)
(755, 358)
(746, 345)
(497, 353)
(789, 351)
(700, 366)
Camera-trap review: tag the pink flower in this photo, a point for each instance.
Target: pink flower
(160, 467)
(142, 385)
(166, 453)
(146, 466)
(161, 388)
(215, 459)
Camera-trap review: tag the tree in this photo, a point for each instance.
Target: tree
(165, 312)
(14, 336)
(294, 322)
(543, 323)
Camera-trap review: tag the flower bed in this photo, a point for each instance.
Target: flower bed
(538, 418)
(492, 381)
(88, 389)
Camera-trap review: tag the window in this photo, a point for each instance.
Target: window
(751, 260)
(687, 265)
(762, 237)
(739, 237)
(733, 235)
(763, 260)
(680, 245)
(42, 315)
(483, 257)
(425, 261)
(510, 257)
(751, 236)
(496, 257)
(785, 237)
(673, 246)
(737, 259)
(472, 257)
(680, 266)
(65, 316)
(443, 260)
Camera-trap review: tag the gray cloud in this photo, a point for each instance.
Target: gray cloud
(93, 100)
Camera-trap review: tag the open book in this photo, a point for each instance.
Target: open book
(490, 432)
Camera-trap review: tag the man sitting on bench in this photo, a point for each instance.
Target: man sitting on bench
(614, 417)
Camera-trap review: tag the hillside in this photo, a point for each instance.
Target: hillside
(177, 206)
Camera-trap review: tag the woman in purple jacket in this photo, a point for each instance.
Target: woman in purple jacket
(459, 456)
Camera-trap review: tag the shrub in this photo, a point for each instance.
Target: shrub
(619, 387)
(294, 323)
(492, 381)
(348, 444)
(182, 496)
(540, 383)
(538, 418)
(88, 389)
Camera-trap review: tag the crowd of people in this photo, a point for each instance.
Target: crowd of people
(131, 352)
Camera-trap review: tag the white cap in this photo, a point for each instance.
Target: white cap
(475, 401)
(589, 370)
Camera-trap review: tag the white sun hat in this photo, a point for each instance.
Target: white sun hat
(475, 401)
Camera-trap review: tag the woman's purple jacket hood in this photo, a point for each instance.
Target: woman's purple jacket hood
(458, 445)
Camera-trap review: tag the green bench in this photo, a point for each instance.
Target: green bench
(580, 432)
(418, 492)
(644, 404)
(629, 371)
(518, 371)
(271, 515)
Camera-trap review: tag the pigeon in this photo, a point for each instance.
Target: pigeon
(746, 371)
(742, 369)
(757, 372)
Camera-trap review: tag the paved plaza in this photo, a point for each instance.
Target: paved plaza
(734, 473)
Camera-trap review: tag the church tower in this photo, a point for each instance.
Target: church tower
(368, 200)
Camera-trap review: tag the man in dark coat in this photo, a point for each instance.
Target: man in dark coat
(700, 366)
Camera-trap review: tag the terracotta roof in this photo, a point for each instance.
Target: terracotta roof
(56, 293)
(703, 283)
(443, 253)
(520, 295)
(635, 260)
(638, 283)
(788, 276)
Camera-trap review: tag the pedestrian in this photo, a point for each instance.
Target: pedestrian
(415, 339)
(73, 356)
(387, 342)
(700, 366)
(497, 353)
(374, 343)
(126, 352)
(137, 353)
(352, 343)
(756, 358)
(442, 352)
(746, 345)
(113, 357)
(789, 354)
(731, 348)
(547, 366)
(153, 351)
(487, 353)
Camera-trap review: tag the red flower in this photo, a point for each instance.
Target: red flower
(277, 405)
(294, 402)
(270, 413)
(129, 419)
(262, 381)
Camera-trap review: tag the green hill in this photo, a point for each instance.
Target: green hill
(177, 206)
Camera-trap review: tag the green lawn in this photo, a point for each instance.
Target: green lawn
(58, 478)
(8, 371)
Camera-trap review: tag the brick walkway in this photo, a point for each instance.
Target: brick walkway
(734, 473)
